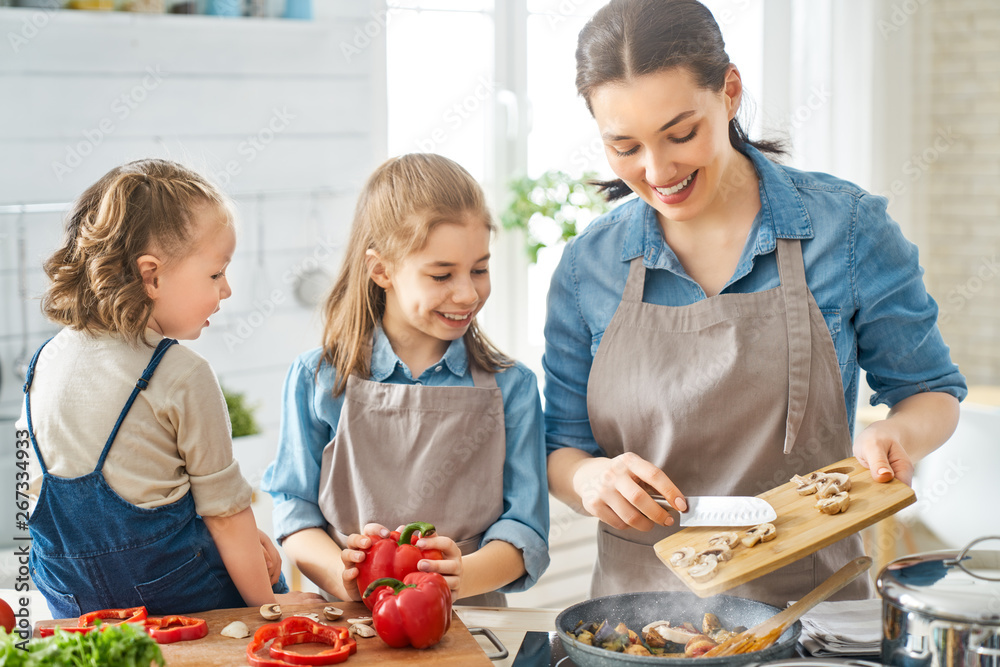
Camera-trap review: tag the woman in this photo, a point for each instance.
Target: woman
(706, 337)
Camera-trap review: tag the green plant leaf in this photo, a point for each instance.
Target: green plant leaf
(241, 414)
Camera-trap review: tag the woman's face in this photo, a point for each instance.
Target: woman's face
(668, 139)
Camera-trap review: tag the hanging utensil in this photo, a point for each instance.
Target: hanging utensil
(764, 634)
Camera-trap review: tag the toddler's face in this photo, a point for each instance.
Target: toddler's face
(189, 289)
(434, 292)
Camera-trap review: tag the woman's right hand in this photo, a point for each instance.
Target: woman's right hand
(616, 491)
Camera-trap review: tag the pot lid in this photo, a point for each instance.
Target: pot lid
(954, 585)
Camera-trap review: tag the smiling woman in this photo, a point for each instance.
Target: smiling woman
(689, 344)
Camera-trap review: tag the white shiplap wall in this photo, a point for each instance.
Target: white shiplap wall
(289, 116)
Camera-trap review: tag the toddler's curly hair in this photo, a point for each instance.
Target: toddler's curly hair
(142, 207)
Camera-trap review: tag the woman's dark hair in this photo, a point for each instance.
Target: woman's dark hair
(630, 38)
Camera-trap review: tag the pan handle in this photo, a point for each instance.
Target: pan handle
(501, 652)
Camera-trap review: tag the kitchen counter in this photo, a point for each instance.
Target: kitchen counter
(509, 625)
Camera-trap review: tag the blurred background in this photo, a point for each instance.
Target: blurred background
(289, 104)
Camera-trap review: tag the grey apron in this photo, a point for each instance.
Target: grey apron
(405, 453)
(731, 395)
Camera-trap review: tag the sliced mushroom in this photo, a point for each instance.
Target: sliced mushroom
(270, 612)
(832, 483)
(361, 630)
(722, 553)
(834, 504)
(806, 486)
(311, 616)
(730, 539)
(669, 633)
(710, 624)
(651, 634)
(332, 613)
(765, 532)
(360, 620)
(683, 557)
(704, 570)
(236, 630)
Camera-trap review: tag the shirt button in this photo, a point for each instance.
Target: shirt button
(437, 370)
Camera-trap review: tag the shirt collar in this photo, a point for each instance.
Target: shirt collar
(782, 215)
(385, 361)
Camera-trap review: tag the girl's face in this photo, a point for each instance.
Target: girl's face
(189, 289)
(668, 139)
(433, 293)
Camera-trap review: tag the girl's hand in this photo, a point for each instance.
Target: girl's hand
(450, 567)
(298, 597)
(271, 557)
(617, 490)
(352, 554)
(878, 448)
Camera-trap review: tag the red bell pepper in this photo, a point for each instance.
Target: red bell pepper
(394, 556)
(170, 629)
(85, 623)
(300, 630)
(413, 612)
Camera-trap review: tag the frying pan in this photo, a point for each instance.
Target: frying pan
(637, 610)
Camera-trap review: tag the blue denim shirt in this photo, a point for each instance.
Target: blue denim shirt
(863, 274)
(309, 418)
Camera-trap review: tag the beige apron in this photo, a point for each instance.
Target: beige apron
(731, 395)
(405, 453)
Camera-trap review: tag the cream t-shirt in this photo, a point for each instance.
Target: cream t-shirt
(176, 437)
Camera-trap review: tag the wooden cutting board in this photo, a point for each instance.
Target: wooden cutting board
(801, 528)
(458, 648)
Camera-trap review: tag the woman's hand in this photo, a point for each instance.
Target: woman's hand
(879, 449)
(450, 567)
(353, 554)
(299, 597)
(617, 490)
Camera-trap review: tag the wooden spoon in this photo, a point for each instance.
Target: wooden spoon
(766, 633)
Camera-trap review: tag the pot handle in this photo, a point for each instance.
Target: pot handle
(959, 560)
(501, 651)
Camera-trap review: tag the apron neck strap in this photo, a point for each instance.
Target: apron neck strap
(796, 293)
(27, 405)
(140, 384)
(636, 281)
(481, 378)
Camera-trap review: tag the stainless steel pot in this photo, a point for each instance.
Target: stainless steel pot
(638, 609)
(942, 609)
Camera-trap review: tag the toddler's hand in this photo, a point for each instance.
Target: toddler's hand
(352, 554)
(298, 597)
(450, 567)
(271, 557)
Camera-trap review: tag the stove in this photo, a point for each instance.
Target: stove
(542, 649)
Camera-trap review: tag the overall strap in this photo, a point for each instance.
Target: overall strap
(793, 283)
(140, 384)
(482, 378)
(27, 405)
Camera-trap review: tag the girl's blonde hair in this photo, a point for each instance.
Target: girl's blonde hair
(401, 203)
(138, 208)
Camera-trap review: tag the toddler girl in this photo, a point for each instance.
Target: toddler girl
(141, 504)
(407, 412)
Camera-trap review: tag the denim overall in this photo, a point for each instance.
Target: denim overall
(92, 549)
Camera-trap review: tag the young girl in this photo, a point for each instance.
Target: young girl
(407, 412)
(141, 504)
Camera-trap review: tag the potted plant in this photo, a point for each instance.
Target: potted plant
(551, 209)
(241, 414)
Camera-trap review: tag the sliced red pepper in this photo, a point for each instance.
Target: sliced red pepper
(85, 623)
(394, 556)
(170, 629)
(300, 630)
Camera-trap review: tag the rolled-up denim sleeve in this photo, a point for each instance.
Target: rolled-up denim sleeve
(567, 361)
(899, 342)
(292, 479)
(524, 522)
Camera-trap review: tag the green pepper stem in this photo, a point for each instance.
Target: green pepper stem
(395, 584)
(424, 528)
